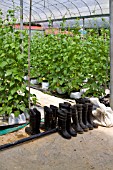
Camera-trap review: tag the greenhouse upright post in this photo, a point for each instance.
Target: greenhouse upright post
(21, 23)
(29, 49)
(111, 52)
(21, 14)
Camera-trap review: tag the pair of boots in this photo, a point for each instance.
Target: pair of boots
(35, 119)
(87, 110)
(82, 116)
(50, 117)
(64, 121)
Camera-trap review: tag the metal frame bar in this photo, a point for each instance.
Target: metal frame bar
(79, 17)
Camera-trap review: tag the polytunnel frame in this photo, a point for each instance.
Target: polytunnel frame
(73, 3)
(70, 18)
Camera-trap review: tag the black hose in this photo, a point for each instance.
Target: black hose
(3, 127)
(9, 145)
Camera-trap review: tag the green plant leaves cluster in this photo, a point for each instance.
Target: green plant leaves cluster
(66, 61)
(13, 93)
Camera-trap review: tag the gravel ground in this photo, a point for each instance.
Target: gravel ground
(91, 150)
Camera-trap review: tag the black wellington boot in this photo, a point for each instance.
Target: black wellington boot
(75, 123)
(47, 118)
(38, 119)
(69, 127)
(54, 116)
(85, 117)
(90, 116)
(62, 118)
(79, 110)
(35, 119)
(66, 106)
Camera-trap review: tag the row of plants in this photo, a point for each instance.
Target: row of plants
(66, 61)
(13, 93)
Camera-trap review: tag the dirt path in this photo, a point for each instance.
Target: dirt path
(91, 150)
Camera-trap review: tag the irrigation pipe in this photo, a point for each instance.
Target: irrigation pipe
(10, 126)
(13, 129)
(39, 135)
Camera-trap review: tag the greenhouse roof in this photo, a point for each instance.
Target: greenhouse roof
(43, 10)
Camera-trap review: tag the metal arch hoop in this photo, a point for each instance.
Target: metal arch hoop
(46, 8)
(64, 6)
(35, 11)
(25, 15)
(32, 10)
(75, 7)
(41, 11)
(36, 2)
(31, 14)
(87, 6)
(17, 4)
(9, 7)
(55, 7)
(99, 6)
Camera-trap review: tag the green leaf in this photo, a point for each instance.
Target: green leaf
(13, 91)
(18, 78)
(12, 83)
(10, 97)
(20, 56)
(9, 110)
(2, 88)
(3, 64)
(8, 72)
(16, 113)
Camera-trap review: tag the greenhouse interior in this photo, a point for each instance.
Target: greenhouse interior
(56, 65)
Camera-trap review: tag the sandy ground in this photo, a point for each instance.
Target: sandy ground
(91, 150)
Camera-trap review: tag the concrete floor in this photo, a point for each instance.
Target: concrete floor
(91, 150)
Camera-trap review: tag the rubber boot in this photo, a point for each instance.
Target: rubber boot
(66, 106)
(69, 128)
(62, 118)
(79, 110)
(54, 116)
(90, 116)
(75, 123)
(47, 118)
(85, 117)
(35, 119)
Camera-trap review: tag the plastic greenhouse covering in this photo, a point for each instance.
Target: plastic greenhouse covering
(44, 10)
